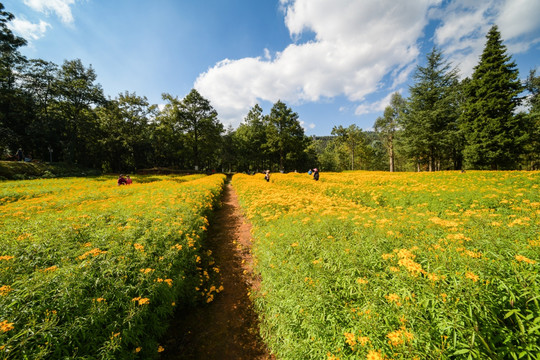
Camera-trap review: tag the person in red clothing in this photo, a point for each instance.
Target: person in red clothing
(122, 180)
(128, 180)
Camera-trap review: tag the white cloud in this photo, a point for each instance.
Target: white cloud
(29, 30)
(377, 106)
(305, 126)
(518, 17)
(360, 46)
(356, 44)
(60, 7)
(462, 34)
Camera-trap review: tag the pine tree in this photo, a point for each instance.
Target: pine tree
(532, 148)
(430, 123)
(493, 134)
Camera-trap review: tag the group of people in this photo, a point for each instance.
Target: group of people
(314, 172)
(19, 156)
(124, 180)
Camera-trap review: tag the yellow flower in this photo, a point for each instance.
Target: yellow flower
(6, 257)
(399, 337)
(392, 297)
(374, 355)
(395, 338)
(141, 300)
(93, 252)
(524, 259)
(472, 276)
(361, 281)
(160, 349)
(139, 247)
(349, 339)
(413, 267)
(5, 289)
(363, 340)
(6, 326)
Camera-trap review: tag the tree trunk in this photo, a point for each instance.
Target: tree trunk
(391, 156)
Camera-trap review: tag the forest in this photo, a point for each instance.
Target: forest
(59, 113)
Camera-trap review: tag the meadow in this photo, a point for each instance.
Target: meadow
(91, 270)
(373, 265)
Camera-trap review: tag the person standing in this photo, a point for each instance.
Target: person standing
(20, 155)
(267, 175)
(316, 174)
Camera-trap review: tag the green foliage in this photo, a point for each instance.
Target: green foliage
(353, 142)
(388, 127)
(532, 149)
(494, 135)
(250, 141)
(404, 266)
(89, 269)
(285, 136)
(430, 125)
(10, 170)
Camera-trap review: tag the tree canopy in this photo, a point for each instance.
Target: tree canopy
(60, 113)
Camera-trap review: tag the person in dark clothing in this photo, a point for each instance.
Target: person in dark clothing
(267, 175)
(20, 155)
(122, 180)
(316, 174)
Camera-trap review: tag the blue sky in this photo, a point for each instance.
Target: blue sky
(334, 62)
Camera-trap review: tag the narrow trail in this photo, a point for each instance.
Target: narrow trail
(227, 328)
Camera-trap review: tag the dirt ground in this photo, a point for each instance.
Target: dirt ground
(227, 328)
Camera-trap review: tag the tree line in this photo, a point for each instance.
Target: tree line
(60, 113)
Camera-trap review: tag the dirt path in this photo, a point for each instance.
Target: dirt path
(227, 328)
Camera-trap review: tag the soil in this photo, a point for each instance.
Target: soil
(228, 327)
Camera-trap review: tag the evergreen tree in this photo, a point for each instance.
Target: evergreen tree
(533, 100)
(250, 139)
(285, 136)
(494, 135)
(430, 124)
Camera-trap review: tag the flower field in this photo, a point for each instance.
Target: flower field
(368, 265)
(92, 270)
